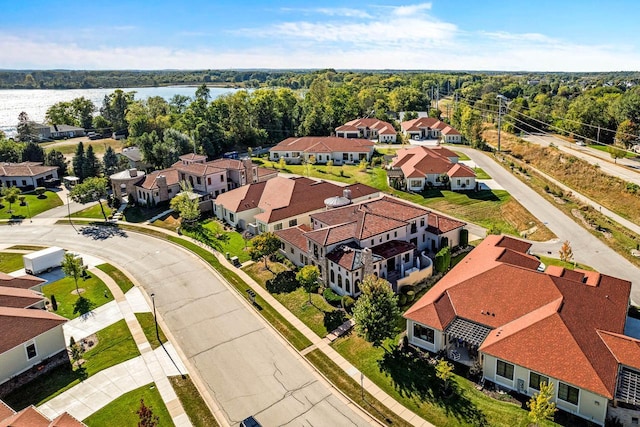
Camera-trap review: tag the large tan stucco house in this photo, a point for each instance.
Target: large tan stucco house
(368, 128)
(296, 150)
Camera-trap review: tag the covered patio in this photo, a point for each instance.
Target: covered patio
(462, 339)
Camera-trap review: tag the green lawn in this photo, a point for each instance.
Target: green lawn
(93, 212)
(412, 382)
(231, 241)
(27, 247)
(141, 214)
(115, 345)
(148, 324)
(568, 265)
(462, 156)
(10, 261)
(197, 410)
(481, 174)
(33, 207)
(605, 148)
(118, 276)
(317, 316)
(94, 290)
(123, 410)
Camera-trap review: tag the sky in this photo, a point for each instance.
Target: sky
(500, 35)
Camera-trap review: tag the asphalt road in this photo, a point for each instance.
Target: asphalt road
(246, 367)
(587, 249)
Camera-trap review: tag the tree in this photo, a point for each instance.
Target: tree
(376, 311)
(91, 165)
(308, 278)
(282, 163)
(56, 158)
(187, 207)
(616, 153)
(443, 259)
(78, 161)
(110, 162)
(627, 133)
(25, 129)
(540, 406)
(146, 416)
(203, 92)
(76, 351)
(330, 166)
(444, 371)
(10, 151)
(566, 253)
(32, 152)
(90, 190)
(72, 267)
(264, 245)
(11, 195)
(77, 112)
(114, 108)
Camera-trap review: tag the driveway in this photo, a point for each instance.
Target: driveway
(244, 365)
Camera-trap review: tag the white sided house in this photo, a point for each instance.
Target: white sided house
(27, 174)
(424, 128)
(420, 167)
(368, 128)
(523, 326)
(296, 150)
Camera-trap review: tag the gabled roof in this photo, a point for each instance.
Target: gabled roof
(19, 325)
(382, 127)
(151, 180)
(18, 297)
(25, 169)
(193, 157)
(350, 257)
(439, 224)
(26, 281)
(31, 417)
(460, 170)
(566, 325)
(324, 144)
(419, 161)
(198, 169)
(295, 236)
(423, 123)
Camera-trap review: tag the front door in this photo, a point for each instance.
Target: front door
(391, 264)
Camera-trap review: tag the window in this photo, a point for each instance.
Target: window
(293, 223)
(423, 333)
(414, 227)
(415, 183)
(221, 178)
(536, 379)
(292, 251)
(31, 351)
(421, 222)
(505, 370)
(372, 242)
(208, 180)
(278, 226)
(340, 281)
(347, 285)
(333, 277)
(231, 217)
(302, 259)
(395, 234)
(199, 180)
(406, 257)
(345, 156)
(568, 393)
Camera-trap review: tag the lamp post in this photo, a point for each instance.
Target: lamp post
(155, 319)
(69, 213)
(28, 211)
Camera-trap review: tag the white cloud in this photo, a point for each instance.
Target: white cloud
(335, 11)
(411, 10)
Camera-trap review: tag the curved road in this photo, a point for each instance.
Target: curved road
(245, 366)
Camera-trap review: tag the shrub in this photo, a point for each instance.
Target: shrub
(402, 299)
(407, 288)
(348, 303)
(54, 303)
(40, 192)
(464, 237)
(411, 295)
(284, 282)
(333, 319)
(331, 297)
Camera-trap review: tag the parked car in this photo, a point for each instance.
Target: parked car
(581, 143)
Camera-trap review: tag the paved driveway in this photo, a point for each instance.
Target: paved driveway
(245, 366)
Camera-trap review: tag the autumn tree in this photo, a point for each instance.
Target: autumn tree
(264, 245)
(566, 253)
(308, 278)
(146, 416)
(376, 311)
(444, 372)
(616, 153)
(540, 405)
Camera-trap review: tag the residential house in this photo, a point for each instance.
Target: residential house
(296, 150)
(134, 158)
(281, 203)
(368, 128)
(65, 131)
(124, 183)
(26, 281)
(419, 167)
(384, 236)
(31, 417)
(430, 128)
(497, 310)
(27, 174)
(20, 298)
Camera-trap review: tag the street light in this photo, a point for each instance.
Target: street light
(69, 211)
(28, 211)
(155, 319)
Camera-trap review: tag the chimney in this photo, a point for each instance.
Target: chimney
(133, 172)
(248, 169)
(346, 193)
(163, 190)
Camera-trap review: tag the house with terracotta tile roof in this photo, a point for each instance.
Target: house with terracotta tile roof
(280, 203)
(31, 417)
(498, 310)
(385, 236)
(430, 128)
(296, 150)
(421, 167)
(207, 178)
(27, 174)
(368, 128)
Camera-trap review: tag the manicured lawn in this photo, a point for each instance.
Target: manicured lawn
(118, 276)
(99, 146)
(10, 261)
(115, 345)
(211, 232)
(93, 212)
(35, 205)
(141, 214)
(481, 174)
(148, 324)
(27, 247)
(568, 265)
(123, 410)
(94, 290)
(197, 410)
(317, 316)
(412, 382)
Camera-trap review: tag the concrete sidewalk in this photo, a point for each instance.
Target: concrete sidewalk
(152, 366)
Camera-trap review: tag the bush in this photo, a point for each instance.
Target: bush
(411, 295)
(334, 319)
(402, 299)
(348, 303)
(284, 282)
(40, 192)
(331, 297)
(407, 288)
(54, 303)
(464, 237)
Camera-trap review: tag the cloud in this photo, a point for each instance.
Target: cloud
(335, 11)
(411, 10)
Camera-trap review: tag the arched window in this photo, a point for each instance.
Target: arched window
(339, 281)
(357, 287)
(333, 277)
(347, 286)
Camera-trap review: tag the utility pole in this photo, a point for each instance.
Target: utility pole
(598, 137)
(437, 95)
(501, 99)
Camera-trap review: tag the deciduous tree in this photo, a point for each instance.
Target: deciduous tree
(146, 416)
(308, 278)
(264, 245)
(540, 405)
(566, 253)
(376, 310)
(90, 190)
(186, 206)
(444, 371)
(11, 195)
(72, 267)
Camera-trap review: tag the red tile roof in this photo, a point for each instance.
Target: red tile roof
(150, 181)
(19, 325)
(439, 224)
(66, 420)
(193, 157)
(383, 128)
(295, 236)
(419, 161)
(460, 170)
(424, 123)
(5, 410)
(198, 169)
(31, 417)
(566, 325)
(324, 144)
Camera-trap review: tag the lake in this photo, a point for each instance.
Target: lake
(36, 102)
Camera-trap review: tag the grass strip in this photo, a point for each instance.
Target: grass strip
(118, 276)
(192, 402)
(10, 261)
(148, 324)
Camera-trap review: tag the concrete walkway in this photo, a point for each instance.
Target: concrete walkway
(151, 366)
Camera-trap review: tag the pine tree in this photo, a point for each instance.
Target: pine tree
(78, 162)
(56, 158)
(91, 165)
(110, 162)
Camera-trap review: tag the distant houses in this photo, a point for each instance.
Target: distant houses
(27, 175)
(296, 150)
(368, 128)
(430, 128)
(44, 132)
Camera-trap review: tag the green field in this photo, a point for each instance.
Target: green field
(148, 324)
(95, 291)
(33, 206)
